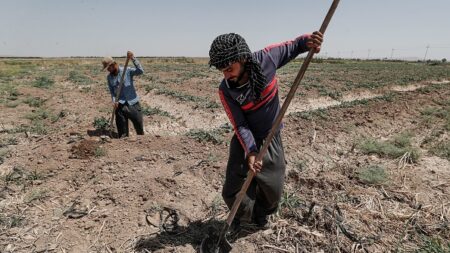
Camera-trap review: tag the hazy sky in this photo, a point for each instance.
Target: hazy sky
(401, 28)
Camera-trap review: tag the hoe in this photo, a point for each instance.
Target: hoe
(220, 244)
(119, 89)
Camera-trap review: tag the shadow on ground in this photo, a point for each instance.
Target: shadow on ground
(192, 234)
(101, 132)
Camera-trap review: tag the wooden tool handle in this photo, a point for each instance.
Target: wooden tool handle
(280, 116)
(119, 89)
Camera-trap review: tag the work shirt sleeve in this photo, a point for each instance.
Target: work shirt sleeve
(240, 125)
(137, 70)
(284, 52)
(111, 90)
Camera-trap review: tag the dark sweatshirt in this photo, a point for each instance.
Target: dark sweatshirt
(250, 119)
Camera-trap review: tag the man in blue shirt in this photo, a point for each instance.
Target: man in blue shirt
(127, 107)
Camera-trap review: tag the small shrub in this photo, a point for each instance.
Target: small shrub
(14, 176)
(215, 136)
(34, 102)
(431, 115)
(38, 127)
(101, 123)
(78, 78)
(213, 158)
(434, 246)
(402, 140)
(86, 89)
(289, 202)
(15, 221)
(442, 149)
(13, 94)
(99, 151)
(309, 115)
(43, 82)
(201, 102)
(373, 174)
(61, 114)
(37, 115)
(9, 141)
(216, 205)
(34, 175)
(12, 221)
(37, 194)
(155, 111)
(12, 104)
(205, 136)
(400, 145)
(300, 165)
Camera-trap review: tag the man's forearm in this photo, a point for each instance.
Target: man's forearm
(139, 70)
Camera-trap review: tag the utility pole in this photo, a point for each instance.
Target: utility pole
(426, 52)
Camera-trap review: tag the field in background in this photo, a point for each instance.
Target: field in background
(367, 145)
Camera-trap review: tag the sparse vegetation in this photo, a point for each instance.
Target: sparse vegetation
(201, 102)
(38, 127)
(289, 202)
(34, 175)
(395, 148)
(10, 92)
(373, 174)
(300, 165)
(18, 175)
(9, 141)
(216, 205)
(99, 151)
(43, 82)
(336, 198)
(35, 194)
(37, 122)
(34, 101)
(12, 221)
(39, 114)
(205, 136)
(78, 78)
(434, 115)
(15, 175)
(148, 110)
(214, 136)
(345, 75)
(432, 245)
(12, 104)
(101, 123)
(309, 115)
(442, 149)
(54, 118)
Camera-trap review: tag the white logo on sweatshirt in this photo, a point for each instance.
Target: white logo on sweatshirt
(241, 98)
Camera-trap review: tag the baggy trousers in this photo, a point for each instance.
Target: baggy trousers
(125, 112)
(266, 188)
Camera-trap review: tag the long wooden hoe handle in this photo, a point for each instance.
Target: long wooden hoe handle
(111, 124)
(280, 116)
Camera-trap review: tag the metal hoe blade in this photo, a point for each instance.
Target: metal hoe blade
(214, 245)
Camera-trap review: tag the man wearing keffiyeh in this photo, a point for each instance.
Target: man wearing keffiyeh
(249, 94)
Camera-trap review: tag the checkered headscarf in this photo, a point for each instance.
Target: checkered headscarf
(229, 48)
